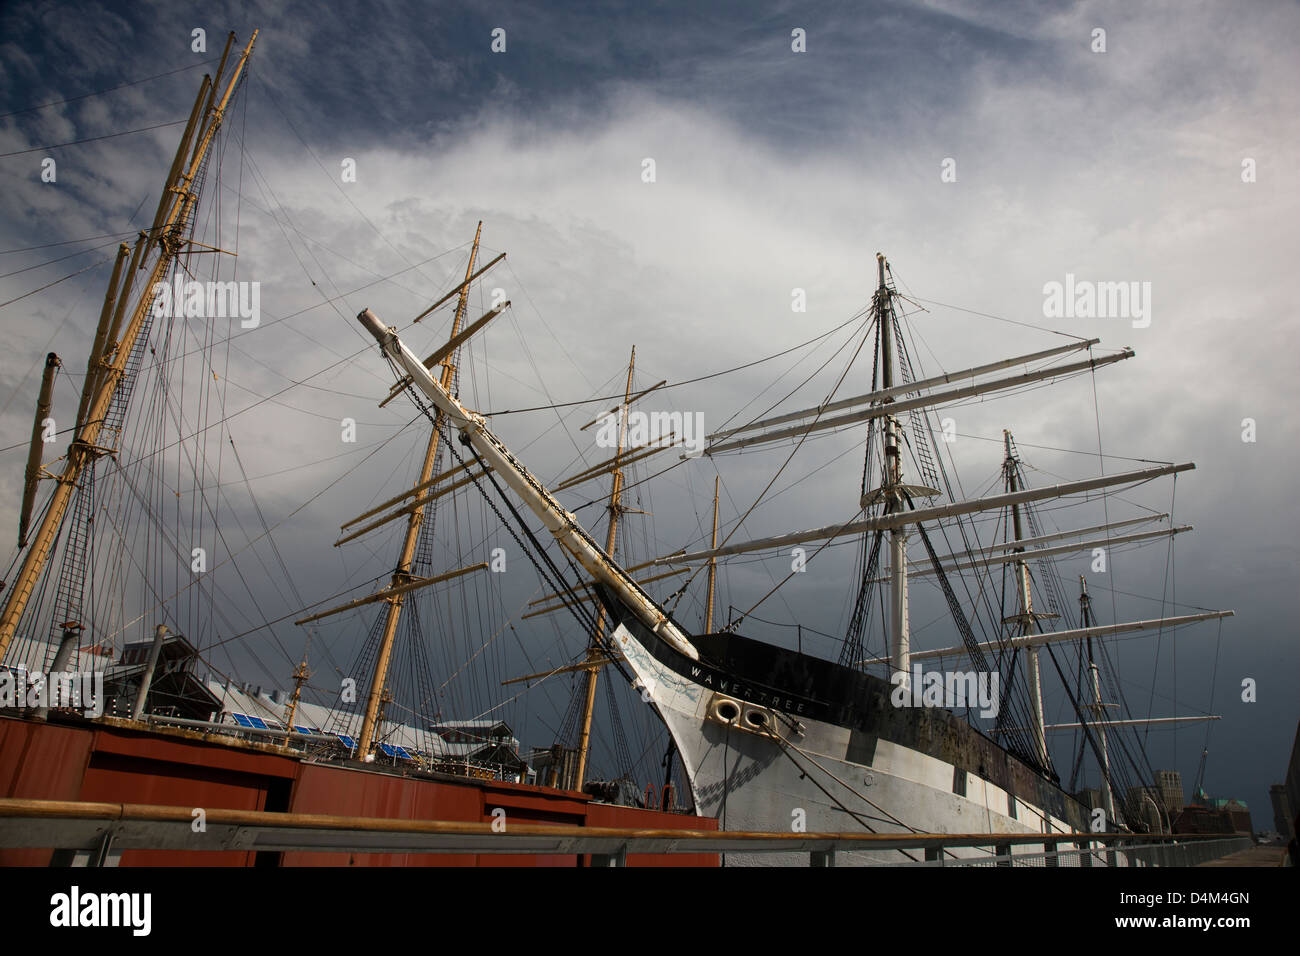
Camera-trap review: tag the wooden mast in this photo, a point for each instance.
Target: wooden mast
(174, 212)
(713, 562)
(300, 675)
(402, 575)
(596, 658)
(32, 476)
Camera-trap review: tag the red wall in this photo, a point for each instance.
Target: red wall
(40, 762)
(120, 765)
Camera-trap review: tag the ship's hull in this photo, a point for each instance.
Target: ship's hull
(778, 741)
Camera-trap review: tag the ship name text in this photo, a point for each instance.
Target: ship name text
(754, 695)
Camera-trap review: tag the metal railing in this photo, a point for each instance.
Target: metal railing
(96, 834)
(1175, 851)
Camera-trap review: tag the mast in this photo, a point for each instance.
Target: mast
(1058, 637)
(1085, 617)
(879, 407)
(1026, 618)
(931, 513)
(595, 658)
(300, 675)
(713, 562)
(32, 476)
(561, 523)
(402, 574)
(879, 395)
(175, 209)
(899, 635)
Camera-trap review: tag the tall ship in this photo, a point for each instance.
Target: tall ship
(774, 739)
(112, 576)
(145, 554)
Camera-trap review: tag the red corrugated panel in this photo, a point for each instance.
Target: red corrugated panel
(352, 792)
(193, 751)
(115, 778)
(604, 815)
(532, 805)
(120, 765)
(40, 762)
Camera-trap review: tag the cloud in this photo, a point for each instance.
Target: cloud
(773, 171)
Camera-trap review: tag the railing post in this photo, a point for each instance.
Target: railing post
(1049, 854)
(1003, 850)
(934, 854)
(102, 854)
(617, 858)
(821, 858)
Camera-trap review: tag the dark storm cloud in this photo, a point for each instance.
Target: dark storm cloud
(775, 170)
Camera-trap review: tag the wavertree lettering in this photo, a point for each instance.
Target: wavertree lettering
(646, 429)
(1084, 299)
(83, 690)
(209, 300)
(951, 689)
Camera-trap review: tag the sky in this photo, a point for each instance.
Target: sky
(988, 149)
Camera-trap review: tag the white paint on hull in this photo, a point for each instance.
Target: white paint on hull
(753, 781)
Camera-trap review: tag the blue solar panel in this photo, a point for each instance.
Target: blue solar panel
(258, 722)
(388, 750)
(303, 730)
(401, 752)
(347, 741)
(242, 720)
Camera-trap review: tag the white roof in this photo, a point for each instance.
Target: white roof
(316, 717)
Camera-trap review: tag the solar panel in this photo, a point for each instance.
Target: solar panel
(258, 722)
(388, 750)
(401, 752)
(242, 720)
(303, 730)
(347, 741)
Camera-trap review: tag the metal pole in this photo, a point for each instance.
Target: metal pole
(713, 562)
(900, 634)
(1033, 676)
(159, 634)
(66, 646)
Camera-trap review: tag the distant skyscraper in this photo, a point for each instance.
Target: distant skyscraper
(1170, 785)
(1143, 803)
(1292, 781)
(1282, 815)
